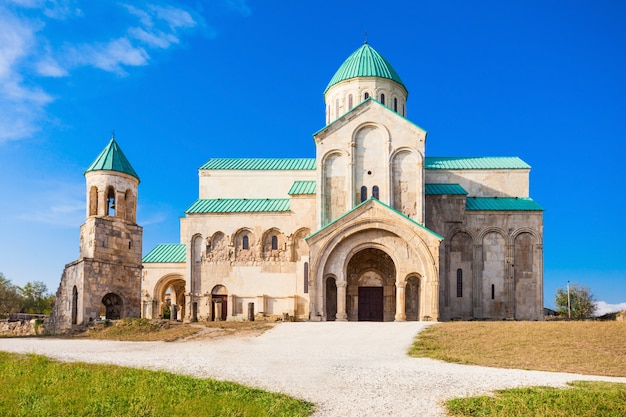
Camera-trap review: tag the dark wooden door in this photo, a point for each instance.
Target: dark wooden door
(370, 303)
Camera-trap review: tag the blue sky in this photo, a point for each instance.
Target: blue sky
(183, 81)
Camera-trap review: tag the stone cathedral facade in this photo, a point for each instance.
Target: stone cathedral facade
(371, 228)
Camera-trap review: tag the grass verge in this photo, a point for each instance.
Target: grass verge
(593, 348)
(582, 399)
(35, 386)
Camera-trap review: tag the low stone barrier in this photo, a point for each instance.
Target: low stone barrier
(32, 327)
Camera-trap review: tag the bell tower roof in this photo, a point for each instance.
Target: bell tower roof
(112, 159)
(365, 62)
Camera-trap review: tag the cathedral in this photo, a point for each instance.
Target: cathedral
(370, 229)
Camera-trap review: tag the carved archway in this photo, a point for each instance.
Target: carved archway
(170, 298)
(371, 291)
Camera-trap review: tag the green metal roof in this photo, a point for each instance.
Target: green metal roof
(166, 253)
(265, 164)
(112, 159)
(303, 187)
(502, 203)
(440, 189)
(365, 62)
(480, 162)
(383, 204)
(239, 205)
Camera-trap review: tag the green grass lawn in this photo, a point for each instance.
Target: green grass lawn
(36, 386)
(582, 399)
(582, 347)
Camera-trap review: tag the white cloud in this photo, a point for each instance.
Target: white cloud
(603, 308)
(55, 201)
(29, 49)
(153, 39)
(111, 56)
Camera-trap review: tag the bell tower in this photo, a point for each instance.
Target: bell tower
(105, 281)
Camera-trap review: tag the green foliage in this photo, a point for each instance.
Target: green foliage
(10, 297)
(582, 302)
(36, 386)
(33, 298)
(36, 299)
(583, 399)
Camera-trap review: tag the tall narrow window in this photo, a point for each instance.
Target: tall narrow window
(274, 243)
(493, 291)
(306, 277)
(382, 99)
(375, 192)
(367, 95)
(403, 111)
(350, 102)
(363, 193)
(459, 282)
(395, 104)
(245, 243)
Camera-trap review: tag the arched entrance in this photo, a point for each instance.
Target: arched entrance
(219, 295)
(331, 299)
(371, 290)
(411, 300)
(170, 296)
(112, 306)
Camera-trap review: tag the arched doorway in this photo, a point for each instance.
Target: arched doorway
(331, 299)
(170, 296)
(112, 306)
(371, 291)
(219, 295)
(411, 300)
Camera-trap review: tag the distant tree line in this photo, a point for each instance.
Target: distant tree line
(32, 298)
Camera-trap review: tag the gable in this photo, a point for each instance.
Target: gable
(356, 113)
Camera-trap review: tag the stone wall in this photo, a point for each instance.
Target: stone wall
(21, 328)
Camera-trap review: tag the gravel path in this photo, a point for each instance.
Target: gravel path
(347, 369)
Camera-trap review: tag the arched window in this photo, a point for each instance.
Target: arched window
(110, 205)
(382, 99)
(245, 243)
(366, 95)
(403, 111)
(375, 192)
(395, 104)
(306, 277)
(274, 243)
(459, 282)
(363, 193)
(350, 102)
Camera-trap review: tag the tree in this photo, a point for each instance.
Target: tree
(10, 297)
(582, 303)
(36, 299)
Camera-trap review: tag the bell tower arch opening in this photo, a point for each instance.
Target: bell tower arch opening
(371, 290)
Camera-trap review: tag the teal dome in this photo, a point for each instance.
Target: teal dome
(365, 62)
(112, 159)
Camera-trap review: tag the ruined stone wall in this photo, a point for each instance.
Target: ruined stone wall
(22, 328)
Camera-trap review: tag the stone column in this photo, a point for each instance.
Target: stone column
(102, 203)
(341, 301)
(400, 301)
